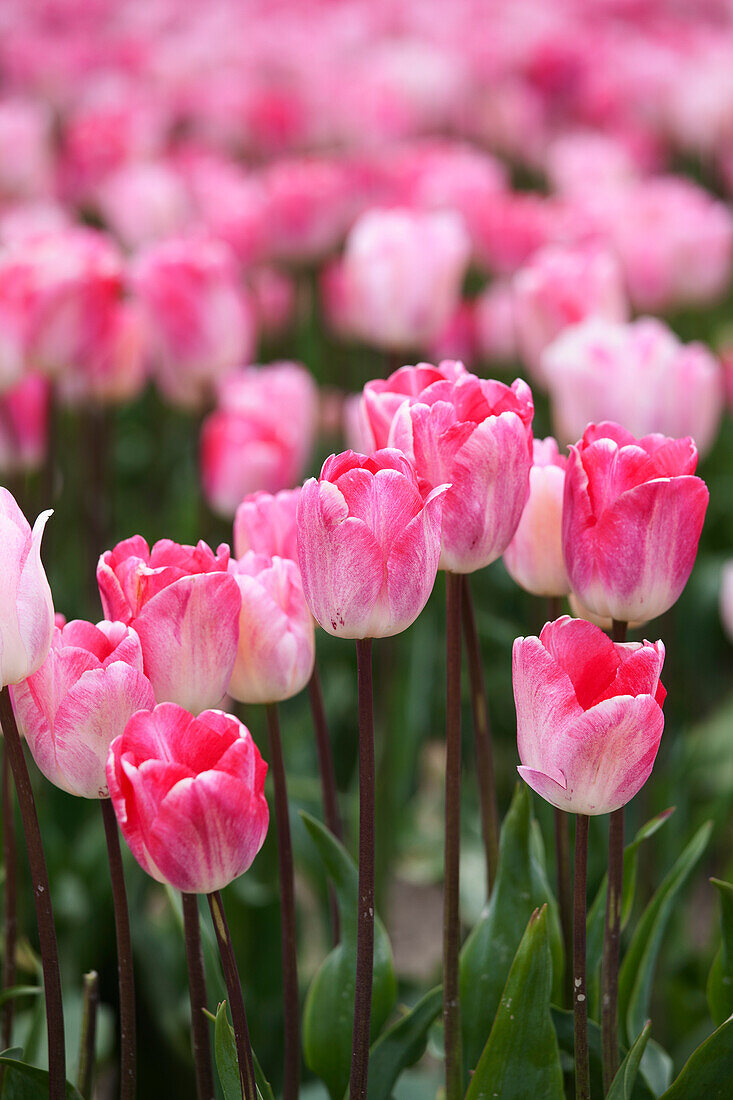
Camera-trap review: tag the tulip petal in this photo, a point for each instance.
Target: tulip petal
(544, 698)
(587, 654)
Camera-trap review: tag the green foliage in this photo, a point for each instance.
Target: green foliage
(402, 1045)
(521, 1057)
(24, 1082)
(622, 1086)
(227, 1065)
(708, 1072)
(720, 980)
(329, 1008)
(521, 886)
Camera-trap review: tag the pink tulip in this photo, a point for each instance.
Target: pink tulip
(494, 325)
(184, 606)
(726, 599)
(115, 371)
(475, 434)
(267, 523)
(79, 700)
(26, 160)
(534, 557)
(584, 161)
(199, 322)
(368, 544)
(560, 287)
(277, 647)
(589, 715)
(143, 202)
(230, 203)
(261, 435)
(309, 206)
(632, 518)
(189, 795)
(638, 374)
(404, 270)
(26, 607)
(273, 299)
(457, 339)
(382, 397)
(24, 424)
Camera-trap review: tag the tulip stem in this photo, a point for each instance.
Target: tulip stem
(245, 1058)
(451, 887)
(197, 995)
(128, 1052)
(88, 1037)
(289, 941)
(482, 740)
(331, 814)
(580, 1002)
(10, 861)
(42, 898)
(612, 929)
(365, 927)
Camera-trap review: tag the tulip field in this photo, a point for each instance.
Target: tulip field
(366, 550)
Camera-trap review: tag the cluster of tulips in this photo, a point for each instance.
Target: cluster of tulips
(451, 479)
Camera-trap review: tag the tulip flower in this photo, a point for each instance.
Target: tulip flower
(189, 794)
(268, 524)
(382, 397)
(260, 436)
(79, 700)
(26, 608)
(24, 424)
(276, 636)
(560, 287)
(726, 599)
(368, 544)
(589, 715)
(638, 374)
(184, 606)
(495, 330)
(632, 517)
(534, 557)
(475, 434)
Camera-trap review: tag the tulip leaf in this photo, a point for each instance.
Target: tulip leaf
(14, 991)
(521, 887)
(563, 1021)
(597, 911)
(24, 1082)
(402, 1045)
(708, 1071)
(637, 970)
(622, 1086)
(720, 980)
(521, 1057)
(227, 1065)
(329, 1007)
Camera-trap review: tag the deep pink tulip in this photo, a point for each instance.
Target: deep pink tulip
(184, 606)
(277, 646)
(24, 424)
(26, 607)
(79, 700)
(368, 544)
(383, 396)
(261, 435)
(310, 202)
(559, 287)
(200, 324)
(638, 374)
(589, 715)
(534, 557)
(476, 435)
(632, 518)
(268, 524)
(189, 794)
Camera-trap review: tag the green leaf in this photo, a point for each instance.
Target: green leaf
(564, 1029)
(19, 991)
(637, 970)
(597, 911)
(521, 887)
(708, 1071)
(225, 1048)
(720, 980)
(401, 1045)
(521, 1057)
(24, 1082)
(622, 1086)
(329, 1007)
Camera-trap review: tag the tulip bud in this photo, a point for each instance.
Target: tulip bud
(632, 517)
(189, 795)
(26, 607)
(534, 556)
(79, 700)
(268, 523)
(24, 424)
(368, 544)
(184, 606)
(589, 715)
(277, 647)
(475, 434)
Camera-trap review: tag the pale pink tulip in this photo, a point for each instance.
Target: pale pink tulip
(534, 557)
(267, 523)
(26, 607)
